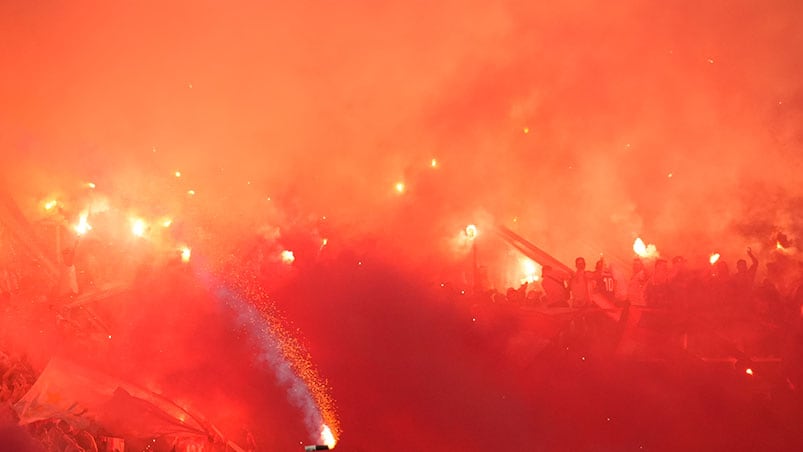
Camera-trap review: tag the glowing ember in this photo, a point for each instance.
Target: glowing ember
(327, 437)
(288, 257)
(50, 205)
(777, 243)
(471, 231)
(167, 223)
(91, 185)
(400, 187)
(433, 163)
(178, 173)
(644, 250)
(526, 130)
(714, 258)
(83, 226)
(749, 371)
(138, 227)
(324, 242)
(186, 253)
(191, 192)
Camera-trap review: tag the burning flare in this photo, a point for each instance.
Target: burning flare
(327, 437)
(83, 226)
(400, 187)
(714, 258)
(186, 253)
(138, 227)
(471, 231)
(530, 270)
(643, 250)
(50, 205)
(288, 257)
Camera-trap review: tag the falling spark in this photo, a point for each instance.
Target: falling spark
(186, 253)
(714, 258)
(138, 227)
(288, 257)
(51, 204)
(471, 231)
(83, 226)
(400, 187)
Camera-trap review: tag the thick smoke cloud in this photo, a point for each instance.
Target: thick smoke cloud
(580, 124)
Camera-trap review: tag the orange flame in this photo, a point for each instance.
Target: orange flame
(530, 270)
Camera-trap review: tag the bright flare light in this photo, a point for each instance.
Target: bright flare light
(400, 187)
(186, 253)
(166, 223)
(288, 257)
(83, 226)
(50, 205)
(644, 250)
(91, 185)
(138, 227)
(327, 437)
(471, 231)
(178, 173)
(714, 258)
(530, 270)
(777, 243)
(434, 163)
(749, 371)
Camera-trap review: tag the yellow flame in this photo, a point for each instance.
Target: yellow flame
(400, 187)
(471, 231)
(186, 254)
(288, 257)
(178, 173)
(83, 226)
(777, 243)
(167, 223)
(91, 185)
(50, 205)
(434, 163)
(138, 227)
(191, 192)
(714, 258)
(327, 437)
